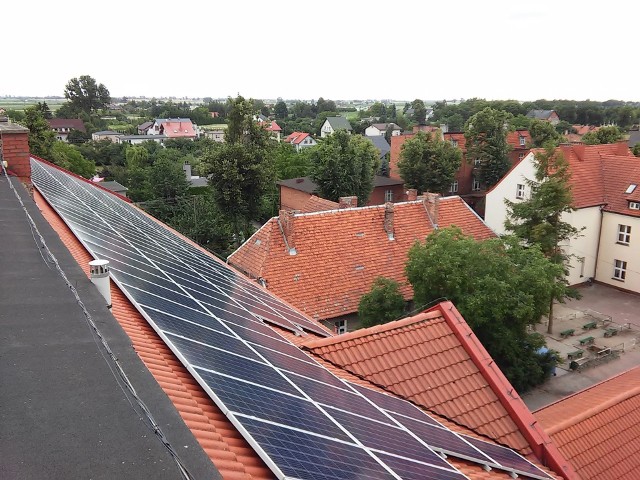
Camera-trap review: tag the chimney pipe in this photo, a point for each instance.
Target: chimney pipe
(431, 203)
(285, 219)
(347, 202)
(412, 195)
(100, 278)
(186, 166)
(388, 219)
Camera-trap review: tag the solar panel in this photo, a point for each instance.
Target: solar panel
(302, 420)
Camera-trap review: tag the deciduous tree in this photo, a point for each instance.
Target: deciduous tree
(384, 303)
(86, 95)
(280, 109)
(419, 111)
(344, 165)
(543, 133)
(608, 134)
(428, 164)
(41, 137)
(69, 157)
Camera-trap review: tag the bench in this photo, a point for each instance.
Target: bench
(610, 332)
(574, 355)
(586, 340)
(590, 325)
(567, 333)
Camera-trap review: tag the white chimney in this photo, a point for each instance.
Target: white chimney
(100, 278)
(186, 166)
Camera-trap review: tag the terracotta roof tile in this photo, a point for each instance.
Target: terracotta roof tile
(346, 250)
(598, 429)
(317, 204)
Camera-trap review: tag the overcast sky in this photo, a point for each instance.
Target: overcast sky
(336, 49)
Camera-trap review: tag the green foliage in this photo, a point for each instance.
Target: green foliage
(419, 111)
(323, 105)
(85, 95)
(609, 134)
(289, 163)
(636, 149)
(486, 136)
(382, 304)
(543, 133)
(280, 109)
(344, 165)
(498, 286)
(167, 179)
(428, 164)
(70, 158)
(41, 137)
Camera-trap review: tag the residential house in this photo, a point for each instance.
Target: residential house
(194, 180)
(597, 429)
(115, 187)
(322, 263)
(300, 140)
(197, 420)
(105, 135)
(173, 128)
(274, 130)
(333, 124)
(138, 139)
(295, 192)
(381, 145)
(217, 135)
(466, 183)
(143, 128)
(547, 115)
(381, 129)
(64, 126)
(604, 183)
(578, 131)
(634, 137)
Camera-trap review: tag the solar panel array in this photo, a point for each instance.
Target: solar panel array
(302, 420)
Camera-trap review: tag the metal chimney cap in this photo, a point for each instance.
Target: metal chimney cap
(97, 263)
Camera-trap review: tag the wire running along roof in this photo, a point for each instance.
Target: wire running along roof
(302, 420)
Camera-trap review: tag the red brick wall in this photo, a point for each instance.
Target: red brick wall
(377, 195)
(291, 199)
(15, 150)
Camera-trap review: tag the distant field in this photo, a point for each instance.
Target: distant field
(20, 104)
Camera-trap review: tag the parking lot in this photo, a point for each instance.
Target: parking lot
(600, 331)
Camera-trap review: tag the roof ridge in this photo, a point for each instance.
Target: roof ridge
(364, 332)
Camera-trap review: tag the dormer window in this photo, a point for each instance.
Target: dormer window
(522, 141)
(454, 143)
(634, 205)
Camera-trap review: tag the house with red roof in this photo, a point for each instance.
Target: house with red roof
(300, 140)
(173, 128)
(64, 126)
(605, 182)
(323, 262)
(274, 129)
(597, 429)
(136, 390)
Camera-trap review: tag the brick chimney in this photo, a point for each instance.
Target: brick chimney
(388, 219)
(622, 148)
(285, 219)
(432, 204)
(578, 150)
(14, 144)
(347, 202)
(412, 195)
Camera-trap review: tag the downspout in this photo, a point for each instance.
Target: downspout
(595, 267)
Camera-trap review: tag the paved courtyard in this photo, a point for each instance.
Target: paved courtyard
(608, 308)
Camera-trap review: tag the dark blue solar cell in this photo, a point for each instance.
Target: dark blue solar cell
(170, 323)
(173, 294)
(337, 398)
(506, 457)
(386, 438)
(161, 303)
(394, 404)
(442, 440)
(256, 333)
(307, 457)
(222, 306)
(272, 406)
(301, 367)
(187, 314)
(409, 470)
(123, 263)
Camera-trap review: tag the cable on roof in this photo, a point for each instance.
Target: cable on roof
(119, 374)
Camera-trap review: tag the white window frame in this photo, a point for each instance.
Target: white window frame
(475, 186)
(520, 191)
(454, 143)
(520, 155)
(454, 187)
(634, 205)
(522, 141)
(388, 196)
(619, 270)
(476, 161)
(340, 326)
(624, 234)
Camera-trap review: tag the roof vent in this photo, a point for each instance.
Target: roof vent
(631, 188)
(100, 278)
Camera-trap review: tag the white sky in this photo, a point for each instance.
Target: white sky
(336, 49)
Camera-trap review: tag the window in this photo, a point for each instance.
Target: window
(620, 270)
(634, 205)
(388, 195)
(630, 188)
(520, 191)
(454, 143)
(522, 141)
(581, 262)
(454, 187)
(340, 326)
(476, 161)
(520, 156)
(624, 234)
(476, 185)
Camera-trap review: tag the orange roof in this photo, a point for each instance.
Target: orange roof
(421, 359)
(317, 204)
(598, 429)
(296, 138)
(513, 139)
(340, 253)
(273, 127)
(178, 128)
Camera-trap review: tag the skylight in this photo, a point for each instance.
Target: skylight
(631, 188)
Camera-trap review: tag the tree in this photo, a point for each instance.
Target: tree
(499, 286)
(543, 133)
(289, 163)
(280, 110)
(609, 134)
(167, 179)
(70, 158)
(486, 136)
(636, 150)
(384, 303)
(344, 165)
(419, 111)
(41, 137)
(538, 219)
(428, 164)
(85, 95)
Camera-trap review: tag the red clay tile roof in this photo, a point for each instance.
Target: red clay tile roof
(75, 123)
(296, 137)
(178, 128)
(421, 359)
(340, 253)
(317, 204)
(598, 429)
(273, 127)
